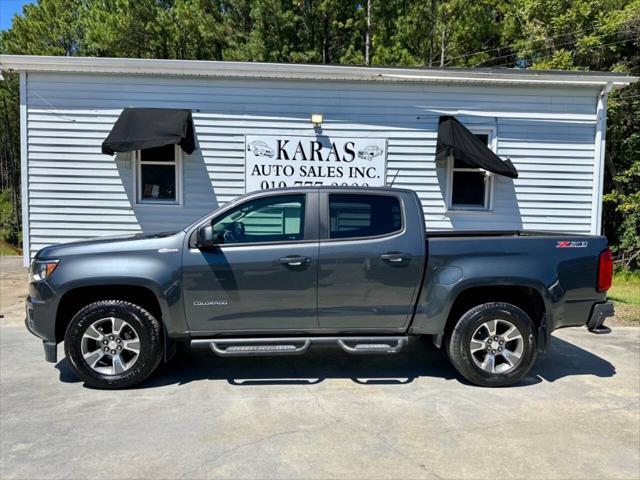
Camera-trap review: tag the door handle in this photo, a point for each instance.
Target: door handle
(295, 260)
(396, 258)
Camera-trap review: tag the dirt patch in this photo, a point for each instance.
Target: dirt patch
(626, 316)
(13, 290)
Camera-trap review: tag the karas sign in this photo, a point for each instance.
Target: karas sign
(289, 161)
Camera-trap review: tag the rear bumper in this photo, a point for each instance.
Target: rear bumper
(599, 313)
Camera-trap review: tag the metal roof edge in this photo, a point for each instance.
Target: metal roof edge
(34, 63)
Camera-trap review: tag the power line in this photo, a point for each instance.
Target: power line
(477, 52)
(555, 46)
(515, 44)
(625, 97)
(543, 39)
(550, 56)
(545, 57)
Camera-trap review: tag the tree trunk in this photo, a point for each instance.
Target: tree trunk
(325, 38)
(367, 48)
(432, 32)
(442, 47)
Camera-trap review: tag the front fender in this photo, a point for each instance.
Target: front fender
(157, 272)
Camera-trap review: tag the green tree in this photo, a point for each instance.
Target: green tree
(559, 34)
(10, 218)
(622, 176)
(126, 28)
(194, 30)
(271, 34)
(50, 27)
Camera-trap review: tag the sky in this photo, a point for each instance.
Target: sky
(8, 8)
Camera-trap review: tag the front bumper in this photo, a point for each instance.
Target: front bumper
(50, 348)
(40, 320)
(599, 313)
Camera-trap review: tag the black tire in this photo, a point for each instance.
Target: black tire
(146, 327)
(459, 344)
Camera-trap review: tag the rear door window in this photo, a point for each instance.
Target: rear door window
(355, 216)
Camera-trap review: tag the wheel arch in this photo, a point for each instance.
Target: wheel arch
(74, 299)
(526, 297)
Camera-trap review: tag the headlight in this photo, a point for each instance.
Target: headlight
(41, 269)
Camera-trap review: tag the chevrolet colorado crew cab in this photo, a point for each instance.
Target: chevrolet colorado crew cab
(277, 271)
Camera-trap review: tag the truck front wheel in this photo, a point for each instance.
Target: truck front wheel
(493, 344)
(113, 344)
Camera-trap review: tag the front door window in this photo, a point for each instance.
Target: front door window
(272, 219)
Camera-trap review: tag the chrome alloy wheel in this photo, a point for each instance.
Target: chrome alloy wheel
(110, 346)
(497, 346)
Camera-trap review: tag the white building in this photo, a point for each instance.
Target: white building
(550, 124)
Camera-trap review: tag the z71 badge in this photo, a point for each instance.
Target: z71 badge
(572, 244)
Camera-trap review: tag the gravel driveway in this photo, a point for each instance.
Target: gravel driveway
(325, 415)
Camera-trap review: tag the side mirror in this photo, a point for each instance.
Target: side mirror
(205, 237)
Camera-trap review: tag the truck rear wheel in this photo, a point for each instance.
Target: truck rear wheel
(493, 344)
(113, 344)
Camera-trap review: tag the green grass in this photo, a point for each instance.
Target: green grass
(8, 249)
(625, 293)
(626, 288)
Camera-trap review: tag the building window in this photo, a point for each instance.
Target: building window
(356, 216)
(471, 188)
(158, 175)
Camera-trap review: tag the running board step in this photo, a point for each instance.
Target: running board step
(367, 346)
(256, 346)
(243, 347)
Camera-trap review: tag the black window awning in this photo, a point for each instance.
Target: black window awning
(139, 128)
(454, 139)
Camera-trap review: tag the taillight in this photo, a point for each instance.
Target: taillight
(605, 270)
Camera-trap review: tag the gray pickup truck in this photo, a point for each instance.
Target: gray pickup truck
(277, 271)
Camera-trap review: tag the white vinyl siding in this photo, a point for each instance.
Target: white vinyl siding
(76, 192)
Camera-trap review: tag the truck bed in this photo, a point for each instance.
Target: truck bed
(497, 233)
